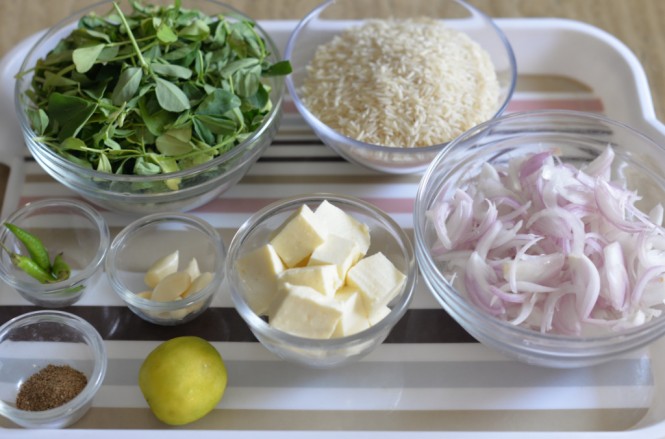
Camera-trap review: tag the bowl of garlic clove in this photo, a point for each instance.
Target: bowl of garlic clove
(167, 267)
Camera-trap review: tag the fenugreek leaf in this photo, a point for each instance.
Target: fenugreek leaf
(85, 57)
(127, 86)
(170, 97)
(171, 70)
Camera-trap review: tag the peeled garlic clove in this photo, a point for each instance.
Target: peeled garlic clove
(199, 283)
(162, 268)
(171, 287)
(193, 269)
(144, 294)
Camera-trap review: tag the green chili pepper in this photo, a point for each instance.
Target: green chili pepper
(30, 267)
(60, 269)
(34, 245)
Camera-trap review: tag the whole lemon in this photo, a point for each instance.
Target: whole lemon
(183, 379)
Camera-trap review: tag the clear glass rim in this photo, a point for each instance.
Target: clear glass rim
(263, 329)
(94, 341)
(338, 137)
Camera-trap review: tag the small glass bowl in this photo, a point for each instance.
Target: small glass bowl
(63, 225)
(386, 236)
(577, 138)
(147, 239)
(144, 194)
(332, 17)
(34, 340)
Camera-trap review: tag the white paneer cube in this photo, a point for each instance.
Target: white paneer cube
(340, 223)
(323, 278)
(338, 251)
(258, 272)
(354, 317)
(377, 280)
(306, 313)
(298, 237)
(378, 315)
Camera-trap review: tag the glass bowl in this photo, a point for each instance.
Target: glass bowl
(173, 191)
(575, 139)
(385, 236)
(65, 226)
(136, 248)
(34, 340)
(332, 17)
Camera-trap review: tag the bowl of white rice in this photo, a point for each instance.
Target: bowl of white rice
(388, 90)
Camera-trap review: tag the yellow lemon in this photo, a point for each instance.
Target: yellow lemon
(183, 379)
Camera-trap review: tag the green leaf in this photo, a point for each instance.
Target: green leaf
(281, 68)
(175, 141)
(142, 167)
(54, 80)
(104, 165)
(197, 31)
(170, 97)
(84, 57)
(240, 64)
(203, 132)
(70, 112)
(172, 70)
(218, 102)
(247, 82)
(165, 34)
(127, 86)
(38, 120)
(73, 144)
(217, 125)
(154, 117)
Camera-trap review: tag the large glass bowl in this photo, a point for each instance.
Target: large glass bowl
(146, 194)
(576, 138)
(386, 236)
(332, 17)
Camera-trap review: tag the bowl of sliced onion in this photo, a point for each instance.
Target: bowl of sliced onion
(542, 234)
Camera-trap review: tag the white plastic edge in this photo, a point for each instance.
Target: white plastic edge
(541, 46)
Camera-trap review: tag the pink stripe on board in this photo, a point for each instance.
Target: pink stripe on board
(251, 205)
(591, 104)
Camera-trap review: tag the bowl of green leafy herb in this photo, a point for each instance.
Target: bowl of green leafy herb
(151, 107)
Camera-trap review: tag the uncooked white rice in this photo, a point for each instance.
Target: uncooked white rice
(405, 83)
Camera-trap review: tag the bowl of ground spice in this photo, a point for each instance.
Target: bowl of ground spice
(390, 89)
(52, 363)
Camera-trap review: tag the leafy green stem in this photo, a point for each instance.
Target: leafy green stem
(139, 54)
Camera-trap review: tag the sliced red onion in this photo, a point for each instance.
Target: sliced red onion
(589, 261)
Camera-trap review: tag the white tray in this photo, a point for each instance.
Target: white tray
(419, 384)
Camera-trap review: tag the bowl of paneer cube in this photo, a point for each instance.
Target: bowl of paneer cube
(321, 279)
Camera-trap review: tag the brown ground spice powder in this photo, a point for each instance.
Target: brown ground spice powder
(51, 387)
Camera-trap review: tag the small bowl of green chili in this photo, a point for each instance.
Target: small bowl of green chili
(52, 251)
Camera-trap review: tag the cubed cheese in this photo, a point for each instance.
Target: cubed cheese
(354, 317)
(298, 237)
(378, 315)
(323, 278)
(258, 272)
(377, 280)
(338, 251)
(338, 222)
(306, 313)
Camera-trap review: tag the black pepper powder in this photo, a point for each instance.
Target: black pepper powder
(49, 388)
